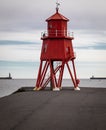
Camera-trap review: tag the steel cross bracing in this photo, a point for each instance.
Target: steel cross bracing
(54, 81)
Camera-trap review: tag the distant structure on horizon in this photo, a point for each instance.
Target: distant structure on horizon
(57, 51)
(9, 77)
(97, 77)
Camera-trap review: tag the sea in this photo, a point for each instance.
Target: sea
(9, 86)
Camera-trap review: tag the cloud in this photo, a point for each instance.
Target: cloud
(91, 55)
(89, 40)
(30, 15)
(86, 14)
(22, 52)
(28, 36)
(9, 42)
(96, 46)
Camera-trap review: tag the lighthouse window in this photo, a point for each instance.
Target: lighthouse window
(50, 26)
(45, 48)
(67, 50)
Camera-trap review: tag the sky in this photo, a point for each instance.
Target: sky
(21, 24)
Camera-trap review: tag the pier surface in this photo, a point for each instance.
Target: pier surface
(48, 110)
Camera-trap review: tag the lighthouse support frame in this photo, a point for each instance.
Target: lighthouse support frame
(55, 82)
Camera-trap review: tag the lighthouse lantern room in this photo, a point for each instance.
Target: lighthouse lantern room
(56, 53)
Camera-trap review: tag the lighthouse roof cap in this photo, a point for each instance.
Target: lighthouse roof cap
(57, 16)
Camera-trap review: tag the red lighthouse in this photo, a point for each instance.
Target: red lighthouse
(57, 51)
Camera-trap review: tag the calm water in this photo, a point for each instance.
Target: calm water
(7, 87)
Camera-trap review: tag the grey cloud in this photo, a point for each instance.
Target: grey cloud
(96, 46)
(17, 15)
(9, 42)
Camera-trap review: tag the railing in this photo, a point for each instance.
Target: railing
(56, 33)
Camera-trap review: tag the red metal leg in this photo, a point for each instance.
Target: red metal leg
(77, 80)
(44, 72)
(61, 75)
(39, 75)
(74, 82)
(53, 77)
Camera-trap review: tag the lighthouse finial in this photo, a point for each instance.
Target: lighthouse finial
(57, 6)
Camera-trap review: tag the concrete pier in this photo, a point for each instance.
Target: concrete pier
(60, 110)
